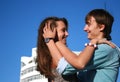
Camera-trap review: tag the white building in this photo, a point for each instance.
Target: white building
(28, 69)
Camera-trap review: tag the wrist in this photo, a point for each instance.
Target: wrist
(47, 40)
(91, 44)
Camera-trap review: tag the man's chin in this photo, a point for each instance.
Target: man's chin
(89, 38)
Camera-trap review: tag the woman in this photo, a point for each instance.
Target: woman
(44, 60)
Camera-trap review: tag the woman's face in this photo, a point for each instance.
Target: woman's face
(62, 32)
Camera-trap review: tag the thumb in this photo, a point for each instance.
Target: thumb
(54, 30)
(44, 36)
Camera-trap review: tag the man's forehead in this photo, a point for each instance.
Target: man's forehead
(91, 19)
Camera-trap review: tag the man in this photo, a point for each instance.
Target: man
(104, 61)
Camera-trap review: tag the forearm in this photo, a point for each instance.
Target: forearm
(77, 61)
(56, 55)
(85, 57)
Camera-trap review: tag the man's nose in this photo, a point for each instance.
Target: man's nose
(85, 28)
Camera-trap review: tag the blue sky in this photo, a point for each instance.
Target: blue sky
(20, 19)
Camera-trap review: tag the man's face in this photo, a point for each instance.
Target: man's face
(62, 32)
(92, 28)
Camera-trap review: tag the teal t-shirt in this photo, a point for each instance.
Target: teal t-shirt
(103, 66)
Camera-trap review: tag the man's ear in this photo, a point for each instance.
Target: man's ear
(102, 27)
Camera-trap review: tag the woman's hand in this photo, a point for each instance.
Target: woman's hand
(102, 41)
(48, 33)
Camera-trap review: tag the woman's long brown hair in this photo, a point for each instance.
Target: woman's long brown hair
(44, 59)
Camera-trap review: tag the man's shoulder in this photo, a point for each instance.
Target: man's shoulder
(104, 47)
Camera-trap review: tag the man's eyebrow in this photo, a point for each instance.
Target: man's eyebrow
(87, 22)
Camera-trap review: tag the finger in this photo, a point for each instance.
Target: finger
(54, 30)
(45, 26)
(44, 29)
(110, 43)
(48, 25)
(104, 41)
(101, 41)
(44, 36)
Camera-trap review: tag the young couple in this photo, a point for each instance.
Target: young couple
(98, 62)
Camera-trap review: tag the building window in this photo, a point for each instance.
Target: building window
(34, 77)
